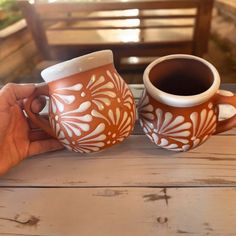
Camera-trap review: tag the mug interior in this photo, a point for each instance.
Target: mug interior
(181, 80)
(182, 76)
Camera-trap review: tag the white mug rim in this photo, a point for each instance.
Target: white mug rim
(178, 100)
(77, 65)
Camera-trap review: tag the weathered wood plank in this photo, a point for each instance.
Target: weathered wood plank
(118, 211)
(114, 38)
(135, 162)
(12, 29)
(17, 60)
(13, 43)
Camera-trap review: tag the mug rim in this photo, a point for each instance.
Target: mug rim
(180, 100)
(76, 65)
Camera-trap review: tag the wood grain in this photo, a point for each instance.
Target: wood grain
(14, 43)
(135, 162)
(17, 60)
(118, 211)
(35, 27)
(203, 24)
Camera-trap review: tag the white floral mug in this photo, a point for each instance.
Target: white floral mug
(90, 105)
(178, 109)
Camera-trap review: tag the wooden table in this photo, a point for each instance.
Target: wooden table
(133, 188)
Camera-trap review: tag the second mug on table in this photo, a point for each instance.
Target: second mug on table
(178, 109)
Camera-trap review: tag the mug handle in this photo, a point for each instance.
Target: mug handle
(41, 89)
(226, 97)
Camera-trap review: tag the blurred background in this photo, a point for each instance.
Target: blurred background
(34, 36)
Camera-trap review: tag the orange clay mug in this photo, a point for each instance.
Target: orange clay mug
(178, 109)
(90, 105)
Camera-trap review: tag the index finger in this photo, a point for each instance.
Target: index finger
(11, 93)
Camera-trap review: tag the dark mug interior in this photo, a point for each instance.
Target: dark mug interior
(181, 76)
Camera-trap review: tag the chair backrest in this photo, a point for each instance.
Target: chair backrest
(133, 28)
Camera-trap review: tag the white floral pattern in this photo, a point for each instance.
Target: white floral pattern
(59, 133)
(101, 102)
(172, 128)
(121, 124)
(58, 101)
(176, 132)
(126, 95)
(101, 91)
(146, 111)
(91, 142)
(204, 124)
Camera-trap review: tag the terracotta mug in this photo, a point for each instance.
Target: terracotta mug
(179, 106)
(90, 105)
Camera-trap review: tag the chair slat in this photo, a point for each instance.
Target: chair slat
(123, 27)
(63, 30)
(103, 6)
(99, 18)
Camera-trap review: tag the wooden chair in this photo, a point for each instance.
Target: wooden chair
(134, 30)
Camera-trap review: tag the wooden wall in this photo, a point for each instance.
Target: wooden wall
(18, 57)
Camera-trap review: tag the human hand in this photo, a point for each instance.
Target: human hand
(16, 141)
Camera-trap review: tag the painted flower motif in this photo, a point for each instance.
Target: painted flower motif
(57, 130)
(124, 90)
(169, 128)
(74, 128)
(101, 91)
(122, 122)
(71, 122)
(225, 93)
(176, 133)
(163, 128)
(58, 98)
(204, 124)
(146, 113)
(92, 142)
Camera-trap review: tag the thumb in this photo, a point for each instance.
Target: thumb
(11, 93)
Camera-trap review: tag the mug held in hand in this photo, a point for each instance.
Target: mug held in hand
(90, 106)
